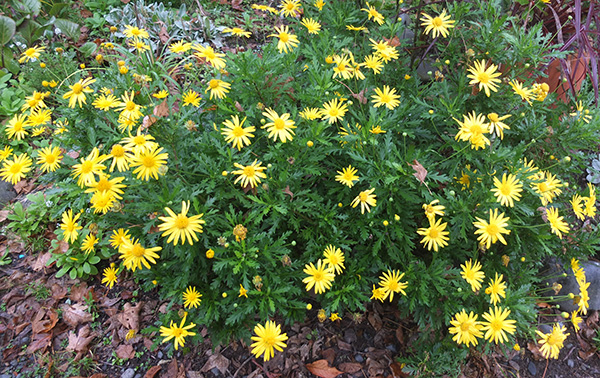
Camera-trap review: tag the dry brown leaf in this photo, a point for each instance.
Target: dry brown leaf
(130, 317)
(239, 107)
(236, 4)
(41, 261)
(125, 351)
(329, 355)
(218, 361)
(76, 314)
(79, 343)
(420, 171)
(41, 325)
(79, 292)
(161, 110)
(61, 247)
(394, 42)
(98, 375)
(39, 342)
(397, 372)
(152, 372)
(360, 96)
(147, 122)
(73, 154)
(4, 215)
(350, 367)
(288, 192)
(322, 369)
(163, 34)
(375, 320)
(174, 371)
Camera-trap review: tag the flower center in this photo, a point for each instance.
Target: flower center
(149, 162)
(117, 151)
(284, 37)
(434, 233)
(385, 98)
(492, 229)
(493, 117)
(249, 171)
(333, 112)
(86, 167)
(130, 105)
(139, 140)
(103, 185)
(318, 276)
(77, 88)
(138, 250)
(543, 187)
(15, 168)
(483, 77)
(30, 52)
(496, 325)
(505, 189)
(209, 54)
(437, 22)
(213, 84)
(465, 326)
(237, 131)
(50, 159)
(182, 222)
(363, 197)
(279, 124)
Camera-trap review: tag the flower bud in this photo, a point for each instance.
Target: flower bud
(310, 143)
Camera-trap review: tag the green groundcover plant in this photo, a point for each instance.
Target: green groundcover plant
(359, 155)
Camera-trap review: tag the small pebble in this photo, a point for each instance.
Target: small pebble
(391, 348)
(531, 368)
(571, 363)
(216, 372)
(359, 358)
(159, 355)
(129, 373)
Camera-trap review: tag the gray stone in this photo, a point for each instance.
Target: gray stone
(531, 368)
(571, 363)
(5, 376)
(359, 358)
(7, 193)
(159, 355)
(129, 373)
(423, 70)
(570, 285)
(138, 375)
(216, 372)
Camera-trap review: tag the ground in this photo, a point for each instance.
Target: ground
(53, 327)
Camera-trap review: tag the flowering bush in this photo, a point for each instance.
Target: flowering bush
(343, 162)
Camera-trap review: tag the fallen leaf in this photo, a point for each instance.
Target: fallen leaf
(394, 42)
(130, 317)
(397, 372)
(79, 292)
(41, 261)
(322, 369)
(4, 215)
(288, 192)
(586, 354)
(79, 343)
(218, 361)
(98, 375)
(161, 110)
(39, 342)
(152, 372)
(375, 320)
(236, 4)
(76, 314)
(163, 34)
(148, 121)
(61, 247)
(41, 325)
(360, 96)
(350, 367)
(420, 171)
(329, 355)
(239, 108)
(174, 371)
(73, 154)
(125, 351)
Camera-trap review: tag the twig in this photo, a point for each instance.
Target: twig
(546, 368)
(262, 368)
(241, 366)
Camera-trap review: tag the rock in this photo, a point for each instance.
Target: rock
(531, 368)
(216, 372)
(570, 285)
(359, 358)
(7, 193)
(571, 363)
(5, 376)
(423, 70)
(129, 373)
(391, 348)
(159, 355)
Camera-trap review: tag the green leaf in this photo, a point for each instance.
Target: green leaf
(88, 48)
(69, 28)
(31, 7)
(86, 268)
(94, 260)
(73, 274)
(62, 271)
(7, 29)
